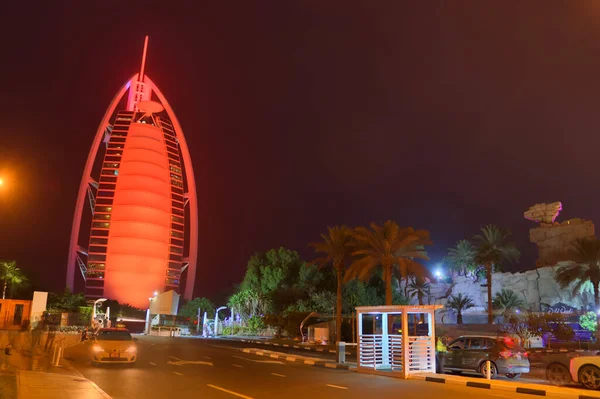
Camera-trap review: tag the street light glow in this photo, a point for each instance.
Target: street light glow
(438, 273)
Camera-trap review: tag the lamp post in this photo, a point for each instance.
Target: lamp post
(96, 302)
(217, 319)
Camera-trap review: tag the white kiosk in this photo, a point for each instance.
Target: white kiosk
(390, 337)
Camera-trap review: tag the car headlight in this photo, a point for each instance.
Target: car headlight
(97, 348)
(131, 349)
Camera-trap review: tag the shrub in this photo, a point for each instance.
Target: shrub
(255, 323)
(589, 321)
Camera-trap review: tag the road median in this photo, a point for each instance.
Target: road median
(297, 359)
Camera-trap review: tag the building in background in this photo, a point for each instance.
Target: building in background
(139, 184)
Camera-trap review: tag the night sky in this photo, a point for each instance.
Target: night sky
(301, 114)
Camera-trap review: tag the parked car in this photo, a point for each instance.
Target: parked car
(470, 353)
(586, 371)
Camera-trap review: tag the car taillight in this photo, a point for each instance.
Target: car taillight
(505, 354)
(525, 355)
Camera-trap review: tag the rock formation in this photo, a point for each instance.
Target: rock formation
(554, 240)
(544, 213)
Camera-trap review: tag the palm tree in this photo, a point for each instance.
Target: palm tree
(388, 246)
(11, 274)
(462, 256)
(419, 287)
(584, 266)
(492, 248)
(458, 303)
(506, 300)
(337, 248)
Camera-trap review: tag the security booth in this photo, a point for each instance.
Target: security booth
(392, 337)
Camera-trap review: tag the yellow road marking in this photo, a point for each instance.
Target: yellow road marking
(175, 372)
(237, 365)
(278, 375)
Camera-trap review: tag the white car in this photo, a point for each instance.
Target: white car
(586, 371)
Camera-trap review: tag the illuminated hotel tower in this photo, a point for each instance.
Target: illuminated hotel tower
(141, 201)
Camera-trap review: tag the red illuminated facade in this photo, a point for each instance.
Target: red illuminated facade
(144, 225)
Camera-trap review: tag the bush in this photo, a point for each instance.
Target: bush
(255, 323)
(589, 321)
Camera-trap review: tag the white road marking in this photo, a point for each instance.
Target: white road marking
(175, 372)
(290, 359)
(237, 365)
(209, 358)
(175, 358)
(336, 386)
(274, 355)
(154, 364)
(260, 361)
(239, 395)
(278, 375)
(286, 345)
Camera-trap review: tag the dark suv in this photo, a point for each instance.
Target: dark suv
(469, 354)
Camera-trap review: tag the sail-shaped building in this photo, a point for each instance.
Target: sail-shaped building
(139, 183)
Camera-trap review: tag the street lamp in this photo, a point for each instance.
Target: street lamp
(217, 319)
(96, 302)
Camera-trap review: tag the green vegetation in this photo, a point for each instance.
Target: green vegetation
(279, 289)
(12, 277)
(584, 267)
(388, 247)
(589, 321)
(533, 324)
(337, 247)
(492, 250)
(457, 303)
(507, 301)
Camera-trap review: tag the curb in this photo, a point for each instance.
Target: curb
(288, 358)
(308, 348)
(504, 387)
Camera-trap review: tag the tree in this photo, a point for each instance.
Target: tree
(65, 302)
(492, 249)
(388, 246)
(462, 258)
(269, 272)
(190, 309)
(419, 287)
(584, 266)
(11, 275)
(458, 303)
(337, 249)
(507, 301)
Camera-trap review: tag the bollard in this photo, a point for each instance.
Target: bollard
(341, 352)
(488, 372)
(55, 356)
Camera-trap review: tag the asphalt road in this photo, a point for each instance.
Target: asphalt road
(188, 367)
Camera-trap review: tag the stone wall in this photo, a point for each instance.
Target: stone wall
(555, 240)
(536, 287)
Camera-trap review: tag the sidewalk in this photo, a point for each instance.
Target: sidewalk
(35, 384)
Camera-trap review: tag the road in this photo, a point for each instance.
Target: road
(182, 367)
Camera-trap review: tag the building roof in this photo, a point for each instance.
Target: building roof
(397, 308)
